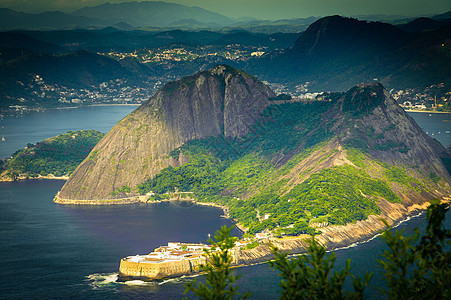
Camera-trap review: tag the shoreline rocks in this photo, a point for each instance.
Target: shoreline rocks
(332, 237)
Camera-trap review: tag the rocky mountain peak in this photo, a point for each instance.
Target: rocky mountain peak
(369, 119)
(220, 101)
(363, 98)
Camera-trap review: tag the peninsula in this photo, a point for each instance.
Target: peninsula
(282, 170)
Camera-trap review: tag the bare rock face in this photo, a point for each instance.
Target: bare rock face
(388, 133)
(222, 100)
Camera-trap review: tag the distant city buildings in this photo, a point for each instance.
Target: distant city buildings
(38, 92)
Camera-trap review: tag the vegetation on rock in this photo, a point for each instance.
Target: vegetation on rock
(259, 179)
(59, 155)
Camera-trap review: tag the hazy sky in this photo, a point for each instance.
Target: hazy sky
(264, 9)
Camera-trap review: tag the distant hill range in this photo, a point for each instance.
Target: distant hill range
(135, 14)
(10, 20)
(425, 24)
(145, 14)
(153, 14)
(335, 53)
(158, 14)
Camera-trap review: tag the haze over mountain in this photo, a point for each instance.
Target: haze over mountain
(335, 53)
(154, 14)
(10, 20)
(135, 14)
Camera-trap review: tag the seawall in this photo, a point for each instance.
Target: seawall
(121, 201)
(159, 270)
(39, 177)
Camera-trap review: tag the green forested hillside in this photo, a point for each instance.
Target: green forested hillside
(258, 177)
(59, 155)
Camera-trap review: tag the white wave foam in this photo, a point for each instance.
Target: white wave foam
(134, 282)
(103, 278)
(98, 280)
(356, 243)
(108, 280)
(409, 218)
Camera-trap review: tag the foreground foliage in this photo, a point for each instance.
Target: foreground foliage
(311, 277)
(419, 270)
(414, 267)
(219, 279)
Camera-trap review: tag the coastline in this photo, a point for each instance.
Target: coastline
(427, 111)
(144, 199)
(112, 104)
(333, 237)
(41, 109)
(336, 237)
(119, 201)
(40, 177)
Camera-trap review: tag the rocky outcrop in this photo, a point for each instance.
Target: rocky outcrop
(222, 100)
(335, 237)
(367, 118)
(389, 133)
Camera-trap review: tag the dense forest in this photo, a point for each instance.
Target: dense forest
(58, 155)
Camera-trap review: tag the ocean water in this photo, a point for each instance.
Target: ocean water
(56, 251)
(22, 128)
(436, 125)
(73, 252)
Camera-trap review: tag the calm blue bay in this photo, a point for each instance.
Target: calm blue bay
(19, 129)
(56, 251)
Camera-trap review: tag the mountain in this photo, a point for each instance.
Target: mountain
(150, 13)
(125, 39)
(444, 16)
(335, 53)
(135, 14)
(347, 36)
(423, 24)
(280, 165)
(76, 70)
(222, 100)
(33, 79)
(21, 41)
(11, 20)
